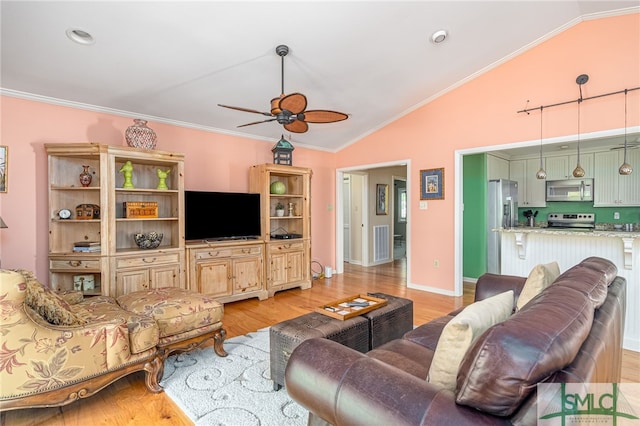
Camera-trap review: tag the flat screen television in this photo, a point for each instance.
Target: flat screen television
(221, 215)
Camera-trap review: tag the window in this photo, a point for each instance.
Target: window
(402, 205)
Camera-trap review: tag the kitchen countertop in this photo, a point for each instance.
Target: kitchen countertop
(556, 231)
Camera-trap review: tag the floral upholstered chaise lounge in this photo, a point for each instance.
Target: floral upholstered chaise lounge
(55, 349)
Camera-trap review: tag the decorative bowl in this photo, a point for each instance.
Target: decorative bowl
(148, 240)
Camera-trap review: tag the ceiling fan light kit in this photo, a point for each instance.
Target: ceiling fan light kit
(578, 172)
(291, 110)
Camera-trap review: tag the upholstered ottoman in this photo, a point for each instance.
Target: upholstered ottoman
(389, 322)
(185, 319)
(284, 337)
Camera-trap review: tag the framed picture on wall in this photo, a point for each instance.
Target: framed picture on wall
(432, 184)
(3, 168)
(382, 199)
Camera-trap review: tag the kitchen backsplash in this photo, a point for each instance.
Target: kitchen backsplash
(604, 215)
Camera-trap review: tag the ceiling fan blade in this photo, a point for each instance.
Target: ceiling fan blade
(297, 126)
(257, 122)
(246, 110)
(295, 103)
(323, 116)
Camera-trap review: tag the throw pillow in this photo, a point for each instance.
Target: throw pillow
(540, 277)
(47, 304)
(458, 335)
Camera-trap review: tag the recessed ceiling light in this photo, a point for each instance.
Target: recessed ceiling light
(564, 146)
(80, 36)
(439, 36)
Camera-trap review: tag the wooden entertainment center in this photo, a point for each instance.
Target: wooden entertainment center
(97, 254)
(236, 270)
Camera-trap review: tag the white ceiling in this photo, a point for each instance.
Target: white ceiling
(175, 61)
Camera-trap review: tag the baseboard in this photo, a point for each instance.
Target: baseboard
(431, 289)
(631, 344)
(469, 280)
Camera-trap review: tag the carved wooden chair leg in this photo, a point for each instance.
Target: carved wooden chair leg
(218, 342)
(153, 373)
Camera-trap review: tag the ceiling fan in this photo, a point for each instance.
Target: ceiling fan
(290, 110)
(630, 145)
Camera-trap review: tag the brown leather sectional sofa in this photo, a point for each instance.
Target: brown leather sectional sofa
(571, 332)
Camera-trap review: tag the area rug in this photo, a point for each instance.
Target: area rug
(232, 391)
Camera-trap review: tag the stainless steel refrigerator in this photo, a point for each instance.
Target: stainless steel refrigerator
(502, 212)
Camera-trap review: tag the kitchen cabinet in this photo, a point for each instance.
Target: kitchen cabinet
(561, 167)
(91, 234)
(612, 189)
(531, 191)
(497, 168)
(229, 271)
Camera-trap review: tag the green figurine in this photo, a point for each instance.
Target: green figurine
(162, 179)
(127, 170)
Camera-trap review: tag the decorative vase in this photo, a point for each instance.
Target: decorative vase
(139, 135)
(85, 176)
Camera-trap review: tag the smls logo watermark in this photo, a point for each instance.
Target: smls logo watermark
(569, 404)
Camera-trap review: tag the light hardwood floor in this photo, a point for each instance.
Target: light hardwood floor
(127, 401)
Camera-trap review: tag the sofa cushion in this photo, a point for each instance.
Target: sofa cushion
(54, 309)
(427, 334)
(461, 332)
(405, 355)
(175, 310)
(143, 330)
(504, 365)
(540, 277)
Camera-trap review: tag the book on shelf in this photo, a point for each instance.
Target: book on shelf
(92, 249)
(86, 244)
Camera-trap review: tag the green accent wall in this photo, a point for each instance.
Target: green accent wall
(474, 217)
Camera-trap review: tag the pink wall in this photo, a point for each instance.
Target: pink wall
(483, 112)
(479, 113)
(212, 161)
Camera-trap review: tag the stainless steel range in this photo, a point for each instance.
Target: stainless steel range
(572, 221)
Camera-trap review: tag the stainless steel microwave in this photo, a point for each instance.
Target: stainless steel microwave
(570, 190)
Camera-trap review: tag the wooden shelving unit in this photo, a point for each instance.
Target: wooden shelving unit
(120, 266)
(287, 261)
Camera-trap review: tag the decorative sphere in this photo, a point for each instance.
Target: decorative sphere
(277, 187)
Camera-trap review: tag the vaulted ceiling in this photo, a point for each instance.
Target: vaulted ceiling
(175, 61)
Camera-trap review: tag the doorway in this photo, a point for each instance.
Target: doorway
(356, 215)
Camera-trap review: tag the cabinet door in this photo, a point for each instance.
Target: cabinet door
(557, 168)
(132, 280)
(214, 278)
(165, 276)
(535, 188)
(629, 185)
(295, 267)
(605, 181)
(247, 274)
(278, 269)
(517, 171)
(497, 168)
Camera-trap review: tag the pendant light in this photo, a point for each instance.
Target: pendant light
(541, 173)
(625, 168)
(578, 172)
